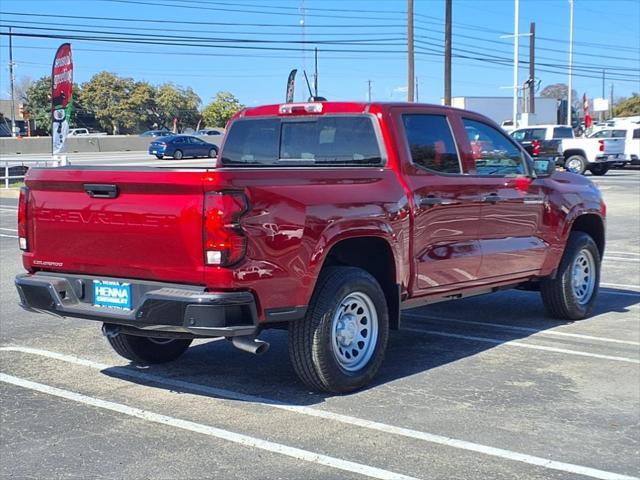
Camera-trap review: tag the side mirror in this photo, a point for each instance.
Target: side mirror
(544, 167)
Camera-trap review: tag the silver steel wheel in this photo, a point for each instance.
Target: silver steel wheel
(574, 165)
(583, 276)
(354, 331)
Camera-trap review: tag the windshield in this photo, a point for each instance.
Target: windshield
(337, 140)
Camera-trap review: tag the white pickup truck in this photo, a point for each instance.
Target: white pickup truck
(577, 155)
(597, 155)
(630, 133)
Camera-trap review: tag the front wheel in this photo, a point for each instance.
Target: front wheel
(571, 295)
(148, 349)
(576, 164)
(213, 153)
(599, 170)
(340, 344)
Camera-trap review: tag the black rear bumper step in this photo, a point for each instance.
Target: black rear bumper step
(156, 306)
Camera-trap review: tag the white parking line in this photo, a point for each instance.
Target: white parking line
(347, 419)
(623, 259)
(520, 329)
(246, 440)
(509, 343)
(8, 236)
(624, 253)
(9, 229)
(620, 285)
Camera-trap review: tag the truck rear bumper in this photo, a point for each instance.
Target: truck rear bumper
(155, 306)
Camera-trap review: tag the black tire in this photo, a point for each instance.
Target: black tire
(213, 153)
(177, 155)
(599, 170)
(159, 157)
(146, 349)
(310, 339)
(558, 294)
(580, 164)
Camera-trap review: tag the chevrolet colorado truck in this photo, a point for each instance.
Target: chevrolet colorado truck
(322, 218)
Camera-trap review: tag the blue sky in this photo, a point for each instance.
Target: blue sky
(606, 36)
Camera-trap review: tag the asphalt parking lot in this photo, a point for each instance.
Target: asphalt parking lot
(486, 387)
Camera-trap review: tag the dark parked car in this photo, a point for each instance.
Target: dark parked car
(179, 146)
(155, 133)
(210, 132)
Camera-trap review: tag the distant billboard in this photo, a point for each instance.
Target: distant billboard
(600, 105)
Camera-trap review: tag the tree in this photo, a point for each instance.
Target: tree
(172, 102)
(37, 103)
(559, 91)
(109, 98)
(21, 87)
(221, 109)
(628, 106)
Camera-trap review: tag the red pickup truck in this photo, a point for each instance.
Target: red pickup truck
(325, 218)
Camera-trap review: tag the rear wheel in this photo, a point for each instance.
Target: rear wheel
(340, 344)
(599, 169)
(213, 153)
(178, 155)
(148, 349)
(576, 164)
(572, 293)
(159, 157)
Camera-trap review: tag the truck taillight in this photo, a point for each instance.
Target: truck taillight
(536, 148)
(601, 145)
(23, 227)
(224, 241)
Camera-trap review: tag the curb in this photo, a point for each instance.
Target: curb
(9, 192)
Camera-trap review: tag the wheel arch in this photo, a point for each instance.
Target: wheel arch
(575, 151)
(593, 225)
(375, 255)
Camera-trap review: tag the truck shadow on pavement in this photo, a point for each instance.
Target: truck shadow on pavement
(430, 337)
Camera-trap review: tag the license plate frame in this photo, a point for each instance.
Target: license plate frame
(112, 294)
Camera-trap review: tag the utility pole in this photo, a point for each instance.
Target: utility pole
(611, 102)
(601, 114)
(417, 94)
(447, 53)
(11, 82)
(532, 67)
(569, 99)
(516, 39)
(315, 76)
(410, 50)
(369, 90)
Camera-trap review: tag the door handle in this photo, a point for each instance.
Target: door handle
(431, 200)
(492, 198)
(95, 190)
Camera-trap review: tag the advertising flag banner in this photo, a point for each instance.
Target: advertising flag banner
(291, 85)
(61, 97)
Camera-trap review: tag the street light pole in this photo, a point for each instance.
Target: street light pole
(569, 96)
(410, 84)
(516, 41)
(12, 87)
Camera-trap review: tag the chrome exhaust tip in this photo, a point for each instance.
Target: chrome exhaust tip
(250, 344)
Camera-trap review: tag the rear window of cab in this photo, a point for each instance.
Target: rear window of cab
(328, 140)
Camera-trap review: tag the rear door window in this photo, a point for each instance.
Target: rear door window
(431, 142)
(562, 132)
(336, 140)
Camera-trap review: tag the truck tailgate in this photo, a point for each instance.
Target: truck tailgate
(613, 146)
(150, 229)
